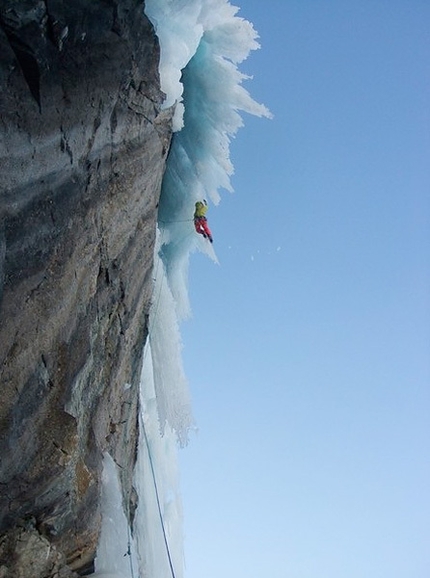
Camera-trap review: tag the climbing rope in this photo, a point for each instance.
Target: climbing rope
(156, 304)
(157, 496)
(176, 221)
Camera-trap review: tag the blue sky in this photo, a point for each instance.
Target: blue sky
(308, 354)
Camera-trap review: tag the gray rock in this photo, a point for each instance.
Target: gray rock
(83, 145)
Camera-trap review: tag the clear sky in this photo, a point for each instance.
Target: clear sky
(308, 354)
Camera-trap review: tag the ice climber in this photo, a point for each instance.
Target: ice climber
(200, 221)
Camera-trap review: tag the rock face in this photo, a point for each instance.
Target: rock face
(83, 145)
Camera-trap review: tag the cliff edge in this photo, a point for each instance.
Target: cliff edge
(83, 146)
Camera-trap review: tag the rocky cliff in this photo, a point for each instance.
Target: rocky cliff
(83, 145)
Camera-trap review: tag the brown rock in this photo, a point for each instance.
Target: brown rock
(83, 145)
